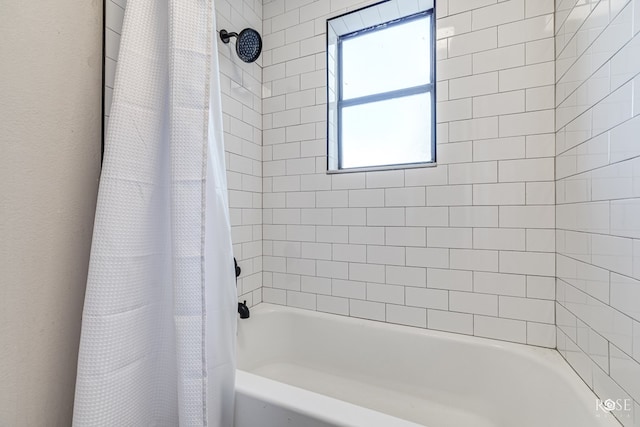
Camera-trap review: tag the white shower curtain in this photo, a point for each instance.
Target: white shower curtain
(159, 322)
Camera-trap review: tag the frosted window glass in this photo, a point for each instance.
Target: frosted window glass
(387, 59)
(390, 132)
(381, 88)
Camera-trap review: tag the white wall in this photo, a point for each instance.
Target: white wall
(467, 246)
(50, 109)
(242, 122)
(598, 211)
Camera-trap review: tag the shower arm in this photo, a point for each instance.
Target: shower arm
(225, 36)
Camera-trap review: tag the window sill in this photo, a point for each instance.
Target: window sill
(383, 168)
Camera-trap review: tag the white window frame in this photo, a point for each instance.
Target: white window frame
(334, 145)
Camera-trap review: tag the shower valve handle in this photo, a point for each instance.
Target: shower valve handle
(237, 268)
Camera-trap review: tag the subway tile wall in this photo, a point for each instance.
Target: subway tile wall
(241, 85)
(467, 246)
(242, 122)
(598, 196)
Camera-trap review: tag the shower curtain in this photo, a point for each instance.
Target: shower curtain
(158, 328)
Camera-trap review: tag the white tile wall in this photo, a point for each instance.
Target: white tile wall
(598, 297)
(242, 122)
(467, 246)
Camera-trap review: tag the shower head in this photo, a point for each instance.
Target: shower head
(248, 45)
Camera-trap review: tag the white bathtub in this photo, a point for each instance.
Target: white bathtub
(300, 368)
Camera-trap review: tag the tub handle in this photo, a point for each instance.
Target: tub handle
(238, 269)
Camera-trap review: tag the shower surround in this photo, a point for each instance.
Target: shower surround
(467, 246)
(532, 111)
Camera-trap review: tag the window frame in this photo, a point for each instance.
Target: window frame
(381, 96)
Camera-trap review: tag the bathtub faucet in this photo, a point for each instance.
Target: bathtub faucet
(243, 310)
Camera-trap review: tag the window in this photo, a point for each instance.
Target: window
(381, 91)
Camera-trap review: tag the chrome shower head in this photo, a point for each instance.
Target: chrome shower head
(248, 43)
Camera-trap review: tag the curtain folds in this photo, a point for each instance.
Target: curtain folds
(159, 322)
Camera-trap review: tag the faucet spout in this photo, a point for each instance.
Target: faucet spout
(243, 310)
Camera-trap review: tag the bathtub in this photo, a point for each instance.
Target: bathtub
(301, 368)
